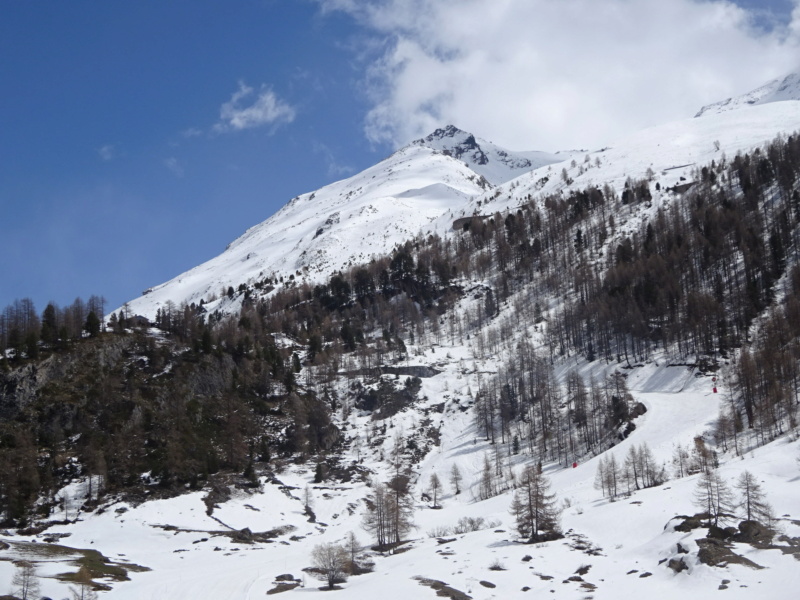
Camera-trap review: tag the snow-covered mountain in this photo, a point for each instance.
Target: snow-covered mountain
(427, 185)
(420, 188)
(241, 542)
(323, 231)
(778, 90)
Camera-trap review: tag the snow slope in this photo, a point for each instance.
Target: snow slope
(623, 543)
(666, 155)
(342, 223)
(422, 189)
(351, 220)
(777, 90)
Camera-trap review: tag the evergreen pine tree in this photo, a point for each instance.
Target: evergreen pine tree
(92, 324)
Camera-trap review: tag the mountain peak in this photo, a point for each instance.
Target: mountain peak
(496, 164)
(455, 142)
(444, 132)
(777, 90)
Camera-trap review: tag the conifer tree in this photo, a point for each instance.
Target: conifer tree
(49, 333)
(353, 547)
(390, 512)
(377, 519)
(435, 487)
(752, 499)
(713, 496)
(487, 486)
(608, 476)
(455, 479)
(92, 324)
(534, 507)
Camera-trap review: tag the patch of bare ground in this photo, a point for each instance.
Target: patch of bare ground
(442, 589)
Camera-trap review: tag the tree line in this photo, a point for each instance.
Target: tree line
(23, 330)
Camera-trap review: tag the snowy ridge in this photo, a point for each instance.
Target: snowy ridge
(777, 90)
(665, 155)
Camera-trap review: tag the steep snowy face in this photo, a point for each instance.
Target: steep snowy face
(778, 90)
(344, 223)
(496, 164)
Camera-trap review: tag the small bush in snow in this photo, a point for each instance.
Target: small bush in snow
(497, 565)
(469, 524)
(439, 531)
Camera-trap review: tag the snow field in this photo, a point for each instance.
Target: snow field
(628, 535)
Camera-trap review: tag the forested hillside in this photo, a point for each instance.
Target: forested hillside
(705, 273)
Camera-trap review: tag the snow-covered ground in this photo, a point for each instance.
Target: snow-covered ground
(620, 541)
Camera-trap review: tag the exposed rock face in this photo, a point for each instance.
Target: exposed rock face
(243, 536)
(19, 387)
(461, 144)
(718, 553)
(721, 533)
(688, 523)
(716, 549)
(442, 589)
(677, 564)
(487, 159)
(754, 532)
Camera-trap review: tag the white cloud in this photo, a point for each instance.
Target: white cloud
(174, 165)
(546, 74)
(264, 109)
(107, 152)
(335, 168)
(192, 132)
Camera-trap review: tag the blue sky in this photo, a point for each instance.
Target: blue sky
(112, 175)
(137, 139)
